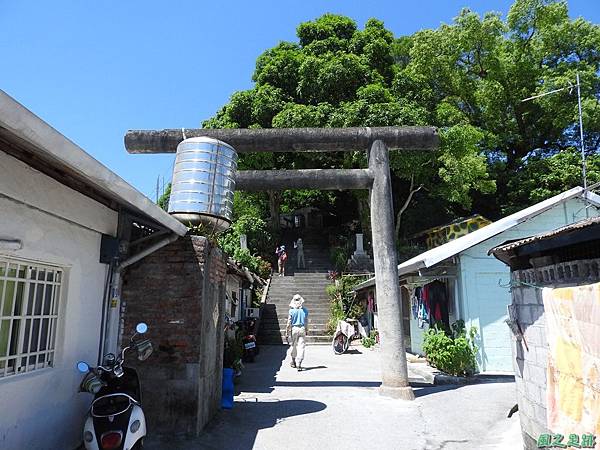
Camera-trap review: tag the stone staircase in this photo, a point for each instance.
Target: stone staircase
(310, 283)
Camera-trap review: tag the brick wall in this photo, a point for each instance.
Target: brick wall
(530, 365)
(179, 291)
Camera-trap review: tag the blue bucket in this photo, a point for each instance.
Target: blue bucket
(227, 392)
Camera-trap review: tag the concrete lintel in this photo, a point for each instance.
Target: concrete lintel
(328, 179)
(288, 139)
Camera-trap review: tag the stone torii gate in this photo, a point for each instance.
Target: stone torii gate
(377, 141)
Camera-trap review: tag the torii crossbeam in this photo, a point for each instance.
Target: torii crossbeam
(376, 178)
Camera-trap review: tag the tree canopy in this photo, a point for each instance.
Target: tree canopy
(468, 78)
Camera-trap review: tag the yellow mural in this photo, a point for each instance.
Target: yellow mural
(437, 236)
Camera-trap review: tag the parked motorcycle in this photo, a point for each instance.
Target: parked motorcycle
(248, 330)
(116, 420)
(345, 332)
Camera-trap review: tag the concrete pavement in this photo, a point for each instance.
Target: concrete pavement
(335, 404)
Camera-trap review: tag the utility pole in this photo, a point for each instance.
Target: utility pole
(581, 138)
(157, 182)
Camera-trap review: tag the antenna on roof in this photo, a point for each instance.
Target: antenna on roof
(583, 163)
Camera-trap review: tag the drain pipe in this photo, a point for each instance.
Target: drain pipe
(154, 247)
(113, 322)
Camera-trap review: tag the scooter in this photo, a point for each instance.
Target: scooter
(247, 328)
(116, 420)
(346, 331)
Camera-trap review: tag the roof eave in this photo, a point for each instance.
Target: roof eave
(52, 148)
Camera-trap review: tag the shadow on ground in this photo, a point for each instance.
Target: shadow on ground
(247, 418)
(259, 377)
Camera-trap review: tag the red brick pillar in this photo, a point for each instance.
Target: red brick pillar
(179, 291)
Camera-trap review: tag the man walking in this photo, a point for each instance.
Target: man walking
(298, 323)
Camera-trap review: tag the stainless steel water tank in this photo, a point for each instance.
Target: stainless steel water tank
(203, 183)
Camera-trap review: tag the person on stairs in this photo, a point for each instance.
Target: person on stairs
(281, 259)
(299, 246)
(297, 323)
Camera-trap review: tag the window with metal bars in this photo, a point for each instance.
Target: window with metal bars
(29, 305)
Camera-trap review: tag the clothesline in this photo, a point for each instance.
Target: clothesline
(426, 280)
(513, 284)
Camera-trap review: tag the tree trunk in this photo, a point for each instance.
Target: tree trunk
(364, 212)
(274, 205)
(411, 191)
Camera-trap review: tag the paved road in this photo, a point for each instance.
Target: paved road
(335, 404)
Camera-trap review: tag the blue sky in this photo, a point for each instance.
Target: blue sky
(94, 69)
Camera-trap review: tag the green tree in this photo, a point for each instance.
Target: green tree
(467, 78)
(163, 200)
(478, 70)
(249, 219)
(541, 177)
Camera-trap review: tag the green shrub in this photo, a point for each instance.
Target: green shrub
(232, 352)
(453, 351)
(339, 257)
(370, 341)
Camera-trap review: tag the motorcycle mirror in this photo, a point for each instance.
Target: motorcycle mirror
(141, 328)
(83, 367)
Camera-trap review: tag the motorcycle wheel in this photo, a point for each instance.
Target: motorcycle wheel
(340, 344)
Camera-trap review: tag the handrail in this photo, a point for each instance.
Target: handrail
(263, 300)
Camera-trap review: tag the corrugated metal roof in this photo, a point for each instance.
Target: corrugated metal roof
(543, 236)
(434, 256)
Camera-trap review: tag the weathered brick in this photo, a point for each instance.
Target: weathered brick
(532, 392)
(540, 415)
(537, 375)
(529, 297)
(165, 290)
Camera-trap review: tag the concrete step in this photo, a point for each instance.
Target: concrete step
(285, 290)
(311, 301)
(281, 325)
(312, 284)
(320, 316)
(310, 339)
(308, 286)
(284, 306)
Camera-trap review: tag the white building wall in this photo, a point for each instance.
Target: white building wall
(42, 409)
(484, 284)
(233, 285)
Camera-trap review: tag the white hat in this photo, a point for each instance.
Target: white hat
(297, 301)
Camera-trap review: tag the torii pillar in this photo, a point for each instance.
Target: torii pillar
(394, 368)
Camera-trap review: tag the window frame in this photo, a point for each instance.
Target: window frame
(32, 316)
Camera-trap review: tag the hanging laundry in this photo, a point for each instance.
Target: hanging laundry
(414, 302)
(422, 309)
(438, 302)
